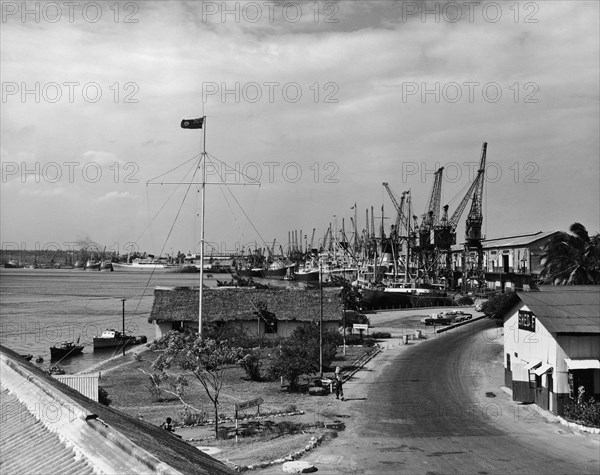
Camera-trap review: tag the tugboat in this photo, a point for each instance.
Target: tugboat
(113, 338)
(64, 349)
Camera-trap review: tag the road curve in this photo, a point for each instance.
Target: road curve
(436, 407)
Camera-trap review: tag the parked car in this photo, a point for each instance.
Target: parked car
(462, 316)
(438, 319)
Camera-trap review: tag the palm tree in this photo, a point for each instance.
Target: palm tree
(572, 259)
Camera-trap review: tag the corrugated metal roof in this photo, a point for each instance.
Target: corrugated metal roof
(566, 309)
(109, 436)
(520, 240)
(516, 241)
(27, 446)
(86, 384)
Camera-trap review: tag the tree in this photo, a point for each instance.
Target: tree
(500, 303)
(572, 259)
(299, 354)
(205, 358)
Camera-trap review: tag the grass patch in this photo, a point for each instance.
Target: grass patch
(127, 387)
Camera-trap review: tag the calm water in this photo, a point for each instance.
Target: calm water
(41, 307)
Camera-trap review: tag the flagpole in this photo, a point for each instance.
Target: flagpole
(203, 159)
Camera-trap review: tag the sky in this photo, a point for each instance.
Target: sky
(319, 102)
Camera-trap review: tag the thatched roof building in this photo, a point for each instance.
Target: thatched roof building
(177, 307)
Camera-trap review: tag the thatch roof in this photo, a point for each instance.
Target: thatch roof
(181, 304)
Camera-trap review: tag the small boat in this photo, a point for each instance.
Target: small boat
(106, 265)
(12, 264)
(28, 357)
(64, 349)
(92, 264)
(113, 338)
(39, 359)
(55, 369)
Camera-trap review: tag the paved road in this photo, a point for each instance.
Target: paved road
(437, 407)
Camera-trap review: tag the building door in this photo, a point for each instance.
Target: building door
(541, 394)
(505, 263)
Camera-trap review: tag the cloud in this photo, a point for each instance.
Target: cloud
(117, 195)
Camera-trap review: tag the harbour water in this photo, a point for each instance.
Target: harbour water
(42, 307)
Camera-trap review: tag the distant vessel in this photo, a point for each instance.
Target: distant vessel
(12, 264)
(140, 265)
(64, 349)
(106, 265)
(113, 338)
(92, 264)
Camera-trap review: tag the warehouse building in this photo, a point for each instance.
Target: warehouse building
(552, 345)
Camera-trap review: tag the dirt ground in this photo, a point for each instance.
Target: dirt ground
(289, 422)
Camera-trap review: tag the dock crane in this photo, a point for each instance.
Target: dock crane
(401, 219)
(473, 229)
(432, 213)
(312, 242)
(445, 230)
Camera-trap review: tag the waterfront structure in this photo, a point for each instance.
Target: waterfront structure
(552, 345)
(256, 312)
(511, 262)
(48, 427)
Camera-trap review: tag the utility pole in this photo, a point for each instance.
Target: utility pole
(321, 320)
(124, 340)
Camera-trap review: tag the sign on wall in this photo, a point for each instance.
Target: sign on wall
(526, 320)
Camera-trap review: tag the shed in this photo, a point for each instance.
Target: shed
(176, 308)
(552, 345)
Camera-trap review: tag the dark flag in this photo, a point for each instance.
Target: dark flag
(192, 123)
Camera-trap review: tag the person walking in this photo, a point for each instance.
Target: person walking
(339, 389)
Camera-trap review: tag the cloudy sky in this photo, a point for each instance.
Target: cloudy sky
(321, 102)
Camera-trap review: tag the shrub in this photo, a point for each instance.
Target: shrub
(380, 335)
(499, 303)
(103, 396)
(465, 300)
(188, 417)
(299, 354)
(252, 364)
(352, 318)
(586, 412)
(366, 340)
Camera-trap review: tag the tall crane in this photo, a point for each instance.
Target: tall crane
(475, 217)
(401, 218)
(432, 213)
(473, 231)
(445, 230)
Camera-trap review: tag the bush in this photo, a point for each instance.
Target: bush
(299, 354)
(103, 396)
(188, 417)
(352, 318)
(465, 300)
(586, 412)
(380, 335)
(366, 340)
(252, 364)
(500, 303)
